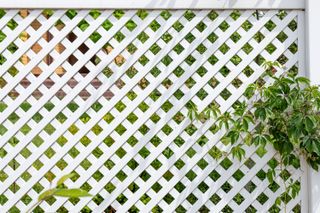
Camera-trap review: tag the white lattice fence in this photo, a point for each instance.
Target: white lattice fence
(104, 94)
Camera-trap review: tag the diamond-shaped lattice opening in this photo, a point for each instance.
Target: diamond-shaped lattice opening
(155, 25)
(144, 129)
(261, 175)
(293, 48)
(247, 48)
(224, 26)
(145, 199)
(202, 164)
(179, 187)
(132, 141)
(167, 129)
(12, 47)
(167, 152)
(168, 176)
(238, 175)
(192, 198)
(166, 37)
(190, 37)
(165, 15)
(144, 152)
(178, 26)
(179, 164)
(179, 117)
(270, 48)
(145, 176)
(25, 153)
(121, 176)
(274, 208)
(215, 199)
(189, 15)
(156, 164)
(235, 37)
(178, 49)
(2, 36)
(86, 164)
(132, 164)
(249, 163)
(282, 59)
(122, 199)
(258, 37)
(131, 25)
(293, 25)
(204, 209)
(167, 83)
(212, 37)
(143, 37)
(201, 26)
(270, 25)
(282, 37)
(12, 24)
(236, 60)
(191, 175)
(224, 48)
(109, 164)
(250, 186)
(226, 163)
(120, 129)
(226, 187)
(121, 152)
(155, 140)
(203, 187)
(227, 209)
(262, 198)
(247, 25)
(225, 94)
(236, 82)
(73, 129)
(238, 199)
(133, 187)
(191, 152)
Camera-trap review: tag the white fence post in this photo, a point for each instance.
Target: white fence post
(313, 72)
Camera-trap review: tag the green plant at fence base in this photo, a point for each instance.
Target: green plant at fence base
(60, 191)
(284, 114)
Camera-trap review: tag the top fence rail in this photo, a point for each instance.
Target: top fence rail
(153, 4)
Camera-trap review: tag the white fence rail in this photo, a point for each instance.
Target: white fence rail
(155, 4)
(104, 94)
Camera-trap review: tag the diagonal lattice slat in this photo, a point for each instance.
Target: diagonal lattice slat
(105, 94)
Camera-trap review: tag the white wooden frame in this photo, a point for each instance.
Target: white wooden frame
(312, 34)
(312, 66)
(156, 4)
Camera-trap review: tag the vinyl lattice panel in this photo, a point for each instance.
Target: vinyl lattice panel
(104, 94)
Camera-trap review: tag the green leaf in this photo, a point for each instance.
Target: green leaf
(310, 123)
(303, 80)
(250, 90)
(238, 152)
(260, 113)
(46, 194)
(248, 139)
(278, 201)
(270, 175)
(71, 193)
(64, 178)
(312, 145)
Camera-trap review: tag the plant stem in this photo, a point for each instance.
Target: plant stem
(33, 206)
(285, 186)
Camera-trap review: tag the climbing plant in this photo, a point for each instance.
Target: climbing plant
(284, 114)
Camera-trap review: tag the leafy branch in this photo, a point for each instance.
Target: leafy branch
(60, 191)
(284, 114)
